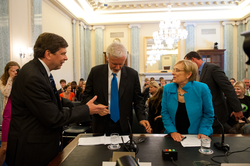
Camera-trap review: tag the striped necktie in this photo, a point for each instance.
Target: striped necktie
(114, 100)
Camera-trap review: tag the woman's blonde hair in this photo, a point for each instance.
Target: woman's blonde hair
(240, 84)
(189, 66)
(155, 84)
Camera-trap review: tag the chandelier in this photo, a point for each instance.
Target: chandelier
(169, 32)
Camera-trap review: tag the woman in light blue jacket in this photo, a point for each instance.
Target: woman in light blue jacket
(187, 106)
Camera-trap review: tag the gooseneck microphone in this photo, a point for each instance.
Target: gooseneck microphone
(221, 145)
(130, 145)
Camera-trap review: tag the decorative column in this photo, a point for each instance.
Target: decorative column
(99, 59)
(241, 57)
(190, 41)
(4, 43)
(248, 29)
(74, 48)
(87, 52)
(81, 37)
(135, 47)
(228, 45)
(174, 60)
(36, 19)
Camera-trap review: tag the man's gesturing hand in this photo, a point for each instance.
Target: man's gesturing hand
(95, 109)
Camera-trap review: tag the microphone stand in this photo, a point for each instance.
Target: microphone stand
(221, 145)
(130, 145)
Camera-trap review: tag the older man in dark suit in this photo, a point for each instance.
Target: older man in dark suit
(218, 83)
(37, 114)
(118, 87)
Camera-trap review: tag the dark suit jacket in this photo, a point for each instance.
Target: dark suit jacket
(218, 83)
(129, 92)
(36, 118)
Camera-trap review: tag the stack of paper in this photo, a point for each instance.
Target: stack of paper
(99, 140)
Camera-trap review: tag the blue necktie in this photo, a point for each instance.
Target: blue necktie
(52, 82)
(114, 100)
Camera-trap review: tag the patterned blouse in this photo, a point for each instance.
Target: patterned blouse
(6, 90)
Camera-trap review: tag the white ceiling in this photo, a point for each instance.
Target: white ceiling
(103, 12)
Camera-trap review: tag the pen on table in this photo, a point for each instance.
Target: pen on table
(183, 138)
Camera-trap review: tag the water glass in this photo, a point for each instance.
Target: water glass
(114, 138)
(205, 145)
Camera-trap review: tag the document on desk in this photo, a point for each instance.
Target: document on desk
(99, 140)
(191, 141)
(106, 163)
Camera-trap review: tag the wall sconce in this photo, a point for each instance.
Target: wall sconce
(22, 52)
(26, 51)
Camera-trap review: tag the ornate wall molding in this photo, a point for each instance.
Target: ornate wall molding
(228, 23)
(99, 27)
(134, 25)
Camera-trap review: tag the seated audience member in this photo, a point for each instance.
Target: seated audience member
(153, 88)
(62, 83)
(161, 78)
(152, 79)
(67, 93)
(163, 83)
(145, 86)
(83, 89)
(154, 114)
(245, 104)
(187, 106)
(76, 90)
(232, 80)
(246, 81)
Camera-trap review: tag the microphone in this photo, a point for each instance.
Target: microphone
(130, 145)
(221, 145)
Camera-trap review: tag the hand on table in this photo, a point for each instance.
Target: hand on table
(176, 136)
(147, 126)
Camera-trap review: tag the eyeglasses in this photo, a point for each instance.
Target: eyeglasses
(177, 70)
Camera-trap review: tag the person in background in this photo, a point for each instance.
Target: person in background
(153, 88)
(76, 90)
(240, 88)
(154, 114)
(152, 79)
(67, 93)
(163, 82)
(62, 83)
(232, 80)
(220, 87)
(246, 81)
(187, 106)
(145, 86)
(83, 89)
(161, 78)
(6, 81)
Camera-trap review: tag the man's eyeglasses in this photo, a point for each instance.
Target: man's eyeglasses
(177, 70)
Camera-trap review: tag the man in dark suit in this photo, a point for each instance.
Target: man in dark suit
(99, 83)
(37, 114)
(218, 83)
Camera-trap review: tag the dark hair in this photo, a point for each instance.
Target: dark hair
(73, 82)
(192, 54)
(233, 79)
(5, 76)
(81, 79)
(62, 80)
(155, 100)
(48, 41)
(65, 87)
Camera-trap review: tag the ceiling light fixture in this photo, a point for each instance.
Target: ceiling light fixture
(170, 31)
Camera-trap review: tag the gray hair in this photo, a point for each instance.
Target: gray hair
(116, 50)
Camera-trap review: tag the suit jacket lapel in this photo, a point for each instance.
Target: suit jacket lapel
(45, 75)
(123, 81)
(203, 72)
(104, 77)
